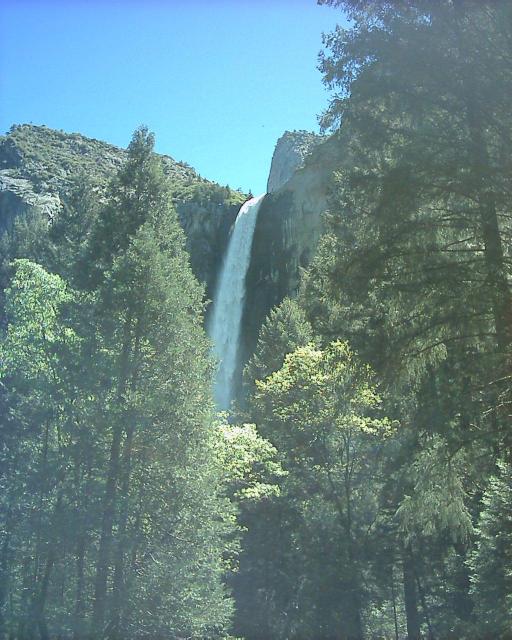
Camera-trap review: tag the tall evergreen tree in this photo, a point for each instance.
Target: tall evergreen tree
(414, 270)
(108, 532)
(264, 582)
(158, 404)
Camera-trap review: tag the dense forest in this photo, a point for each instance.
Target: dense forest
(361, 489)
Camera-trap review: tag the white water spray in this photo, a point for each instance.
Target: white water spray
(228, 303)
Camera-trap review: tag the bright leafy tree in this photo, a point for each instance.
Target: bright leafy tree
(321, 410)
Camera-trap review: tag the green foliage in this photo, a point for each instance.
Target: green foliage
(208, 193)
(26, 238)
(491, 561)
(107, 391)
(285, 329)
(322, 517)
(321, 410)
(248, 462)
(33, 303)
(438, 500)
(55, 158)
(414, 271)
(336, 396)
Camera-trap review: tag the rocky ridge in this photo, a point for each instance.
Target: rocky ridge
(39, 165)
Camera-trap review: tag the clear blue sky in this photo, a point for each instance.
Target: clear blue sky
(218, 82)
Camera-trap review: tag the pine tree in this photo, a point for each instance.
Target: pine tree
(159, 411)
(425, 188)
(414, 270)
(106, 531)
(285, 329)
(37, 440)
(263, 583)
(491, 561)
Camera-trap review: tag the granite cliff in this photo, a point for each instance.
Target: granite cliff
(290, 153)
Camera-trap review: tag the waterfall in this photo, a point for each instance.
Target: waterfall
(228, 303)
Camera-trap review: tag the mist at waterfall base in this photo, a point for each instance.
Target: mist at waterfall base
(228, 302)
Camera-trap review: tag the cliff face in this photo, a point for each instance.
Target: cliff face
(287, 232)
(207, 224)
(17, 196)
(290, 152)
(38, 166)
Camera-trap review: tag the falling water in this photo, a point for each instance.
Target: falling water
(228, 303)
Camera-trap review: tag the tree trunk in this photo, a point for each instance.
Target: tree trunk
(4, 565)
(37, 615)
(126, 469)
(489, 226)
(393, 599)
(424, 606)
(410, 596)
(119, 578)
(355, 622)
(83, 485)
(110, 498)
(131, 571)
(462, 601)
(103, 563)
(78, 623)
(24, 598)
(43, 595)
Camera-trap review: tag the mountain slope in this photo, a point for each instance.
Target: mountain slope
(39, 165)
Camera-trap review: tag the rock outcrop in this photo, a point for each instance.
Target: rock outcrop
(17, 195)
(290, 152)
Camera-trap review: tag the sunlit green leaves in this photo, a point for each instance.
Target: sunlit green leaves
(249, 462)
(34, 303)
